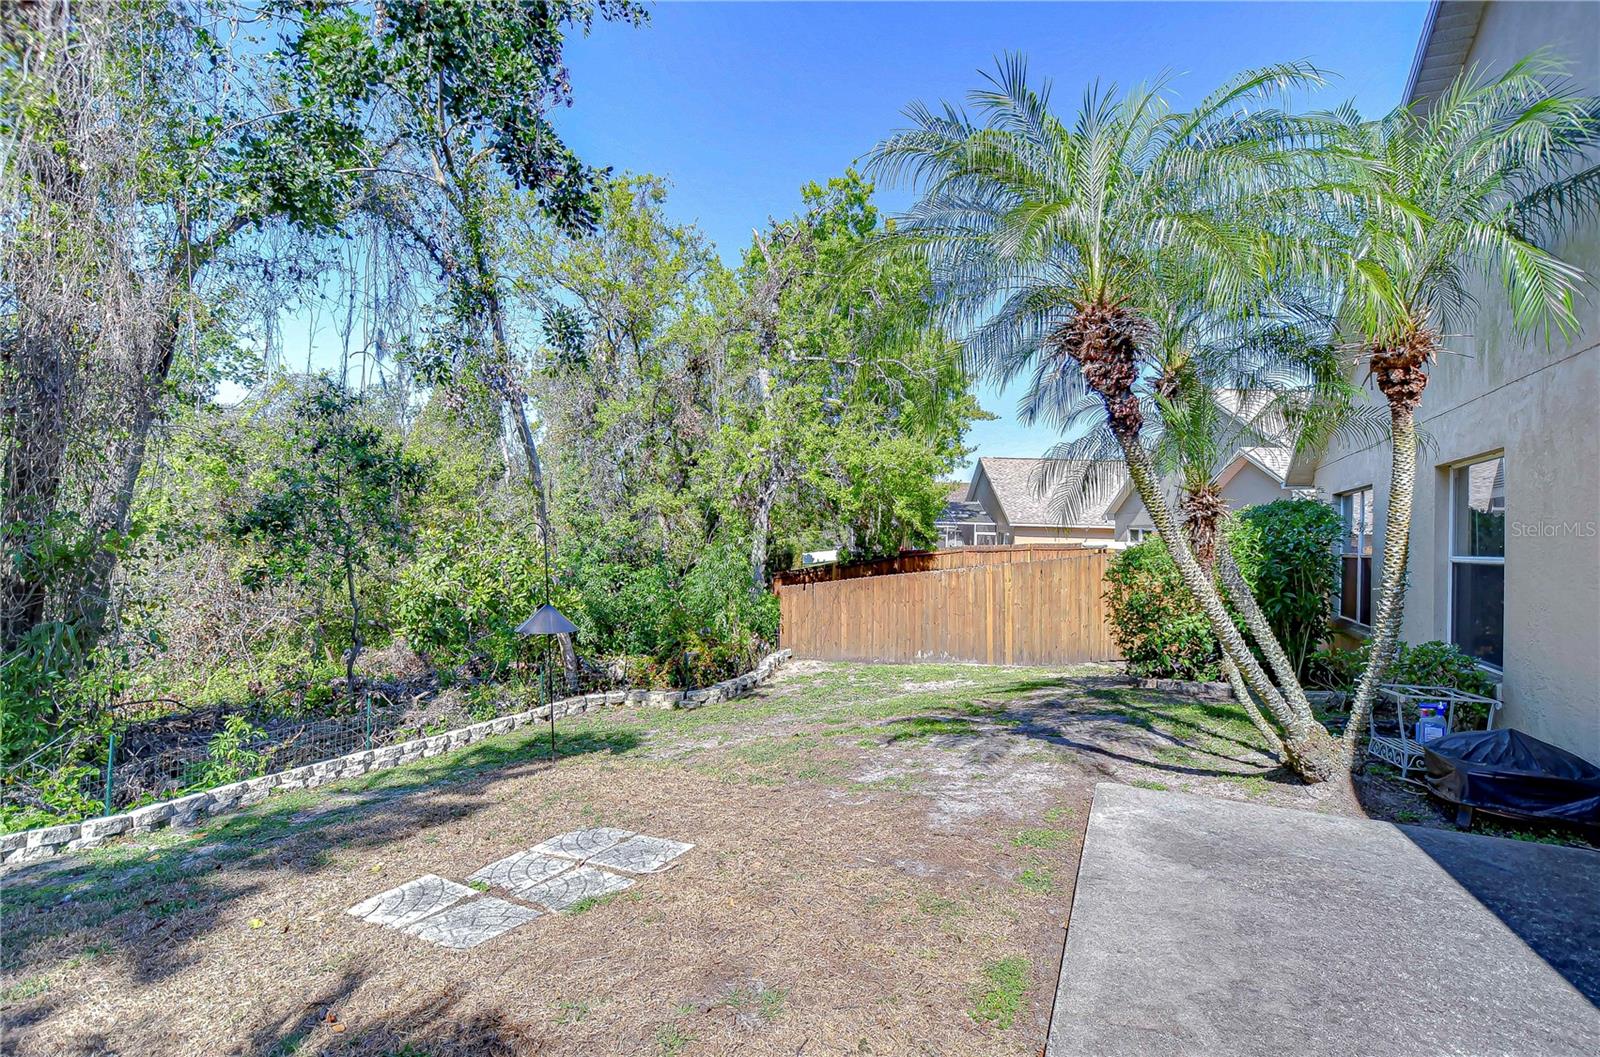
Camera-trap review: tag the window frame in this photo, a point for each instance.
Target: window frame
(1139, 535)
(1368, 534)
(1451, 559)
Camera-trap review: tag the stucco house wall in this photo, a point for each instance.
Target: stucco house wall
(1500, 392)
(1052, 534)
(1250, 485)
(1243, 484)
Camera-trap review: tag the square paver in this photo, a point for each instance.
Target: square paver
(523, 869)
(641, 854)
(469, 924)
(574, 886)
(412, 901)
(582, 843)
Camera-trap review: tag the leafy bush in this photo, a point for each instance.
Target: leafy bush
(1285, 550)
(676, 627)
(469, 586)
(1154, 618)
(459, 602)
(230, 757)
(1432, 663)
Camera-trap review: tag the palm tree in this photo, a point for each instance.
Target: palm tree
(1436, 197)
(1051, 246)
(1219, 385)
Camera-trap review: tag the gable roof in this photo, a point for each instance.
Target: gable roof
(1018, 490)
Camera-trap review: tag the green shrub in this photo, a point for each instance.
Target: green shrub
(1432, 663)
(229, 755)
(471, 583)
(1285, 550)
(1154, 618)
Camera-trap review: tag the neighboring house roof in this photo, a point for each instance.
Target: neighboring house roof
(1447, 36)
(961, 513)
(1274, 460)
(1021, 491)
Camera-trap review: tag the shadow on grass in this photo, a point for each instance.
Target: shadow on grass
(436, 1026)
(1186, 725)
(1189, 727)
(153, 900)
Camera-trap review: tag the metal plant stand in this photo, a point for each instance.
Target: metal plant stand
(1404, 752)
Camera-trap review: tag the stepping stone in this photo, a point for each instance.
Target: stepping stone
(641, 854)
(469, 924)
(574, 886)
(524, 869)
(412, 901)
(582, 843)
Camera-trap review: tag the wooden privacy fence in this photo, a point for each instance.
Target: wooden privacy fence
(1033, 611)
(927, 561)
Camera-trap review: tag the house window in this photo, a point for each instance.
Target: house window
(1355, 553)
(985, 538)
(1478, 560)
(1139, 535)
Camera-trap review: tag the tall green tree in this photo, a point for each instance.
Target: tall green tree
(339, 498)
(1467, 187)
(854, 400)
(1050, 243)
(160, 150)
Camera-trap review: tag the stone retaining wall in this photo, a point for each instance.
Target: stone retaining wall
(186, 811)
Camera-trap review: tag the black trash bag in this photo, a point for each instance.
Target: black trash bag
(1512, 773)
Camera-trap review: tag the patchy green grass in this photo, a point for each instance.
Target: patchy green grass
(928, 727)
(999, 997)
(940, 907)
(1146, 783)
(670, 1040)
(764, 1003)
(589, 903)
(1042, 837)
(29, 988)
(1038, 880)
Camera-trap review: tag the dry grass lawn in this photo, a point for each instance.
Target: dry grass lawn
(884, 864)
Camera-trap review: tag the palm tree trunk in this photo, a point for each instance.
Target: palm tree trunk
(1204, 509)
(1308, 749)
(1396, 552)
(1244, 600)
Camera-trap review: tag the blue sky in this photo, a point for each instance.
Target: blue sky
(740, 104)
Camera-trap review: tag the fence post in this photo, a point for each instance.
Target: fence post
(368, 719)
(111, 767)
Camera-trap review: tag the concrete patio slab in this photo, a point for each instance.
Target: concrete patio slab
(582, 843)
(410, 902)
(574, 886)
(641, 854)
(520, 870)
(469, 924)
(1203, 926)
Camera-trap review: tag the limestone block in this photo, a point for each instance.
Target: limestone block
(52, 835)
(109, 826)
